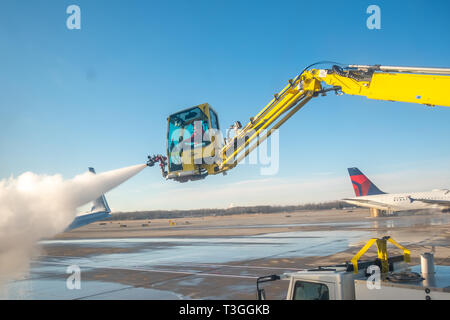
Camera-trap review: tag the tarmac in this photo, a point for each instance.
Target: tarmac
(217, 257)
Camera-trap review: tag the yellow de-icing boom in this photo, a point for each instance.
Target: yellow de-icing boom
(366, 81)
(428, 86)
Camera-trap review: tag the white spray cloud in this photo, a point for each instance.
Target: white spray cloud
(33, 207)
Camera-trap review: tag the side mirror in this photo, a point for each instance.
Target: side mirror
(261, 294)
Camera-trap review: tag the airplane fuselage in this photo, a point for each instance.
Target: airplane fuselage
(402, 201)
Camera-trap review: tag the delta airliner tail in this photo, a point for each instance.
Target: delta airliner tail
(361, 184)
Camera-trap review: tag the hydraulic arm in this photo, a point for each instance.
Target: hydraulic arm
(429, 86)
(198, 158)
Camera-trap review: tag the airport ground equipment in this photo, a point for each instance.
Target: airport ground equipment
(358, 280)
(196, 148)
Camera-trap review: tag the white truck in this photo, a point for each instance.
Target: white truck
(379, 279)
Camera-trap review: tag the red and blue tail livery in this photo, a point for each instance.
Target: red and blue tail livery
(361, 184)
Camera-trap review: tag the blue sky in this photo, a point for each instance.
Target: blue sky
(100, 96)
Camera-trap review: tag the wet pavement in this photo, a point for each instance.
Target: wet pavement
(179, 256)
(149, 266)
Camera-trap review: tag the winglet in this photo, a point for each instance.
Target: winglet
(100, 210)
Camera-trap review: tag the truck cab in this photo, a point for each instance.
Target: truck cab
(382, 278)
(324, 284)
